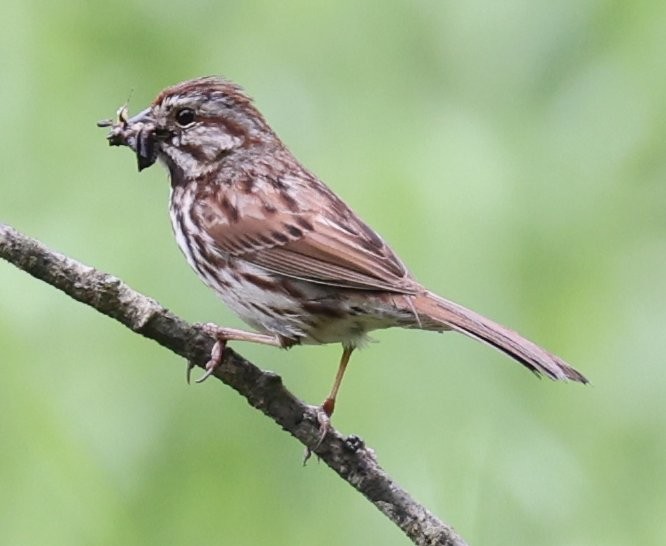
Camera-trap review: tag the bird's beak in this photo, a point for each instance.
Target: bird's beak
(137, 133)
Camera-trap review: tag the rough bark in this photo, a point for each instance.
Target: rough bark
(349, 457)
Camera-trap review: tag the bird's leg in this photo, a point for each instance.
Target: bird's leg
(326, 409)
(222, 335)
(328, 406)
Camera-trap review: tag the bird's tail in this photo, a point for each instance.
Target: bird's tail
(432, 310)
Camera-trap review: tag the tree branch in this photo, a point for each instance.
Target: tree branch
(349, 457)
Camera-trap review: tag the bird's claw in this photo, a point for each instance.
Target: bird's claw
(324, 420)
(212, 364)
(188, 371)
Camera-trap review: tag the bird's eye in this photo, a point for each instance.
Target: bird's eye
(185, 117)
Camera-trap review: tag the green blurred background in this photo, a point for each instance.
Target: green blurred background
(513, 153)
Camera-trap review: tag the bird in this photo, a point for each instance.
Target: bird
(278, 246)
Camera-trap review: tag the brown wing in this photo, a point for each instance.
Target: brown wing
(313, 236)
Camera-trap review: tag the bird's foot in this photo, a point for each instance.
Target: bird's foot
(222, 335)
(323, 414)
(213, 363)
(216, 352)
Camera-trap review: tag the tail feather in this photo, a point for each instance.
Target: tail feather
(433, 310)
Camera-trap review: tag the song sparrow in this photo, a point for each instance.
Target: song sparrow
(277, 245)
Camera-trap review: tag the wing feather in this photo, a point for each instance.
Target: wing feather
(323, 245)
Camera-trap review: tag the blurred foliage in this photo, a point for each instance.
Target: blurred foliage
(512, 152)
